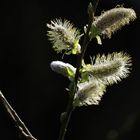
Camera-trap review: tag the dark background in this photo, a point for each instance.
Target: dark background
(38, 94)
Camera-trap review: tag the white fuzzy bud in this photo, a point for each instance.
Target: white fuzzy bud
(62, 68)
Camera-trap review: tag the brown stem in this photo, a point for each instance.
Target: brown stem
(73, 86)
(16, 119)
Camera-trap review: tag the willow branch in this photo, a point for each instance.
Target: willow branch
(16, 119)
(73, 86)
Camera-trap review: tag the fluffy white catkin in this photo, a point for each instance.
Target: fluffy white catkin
(63, 35)
(111, 68)
(113, 19)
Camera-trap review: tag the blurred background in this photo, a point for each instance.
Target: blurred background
(38, 94)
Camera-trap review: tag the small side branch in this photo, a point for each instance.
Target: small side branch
(16, 119)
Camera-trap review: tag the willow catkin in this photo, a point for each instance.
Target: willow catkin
(63, 35)
(111, 68)
(89, 93)
(112, 20)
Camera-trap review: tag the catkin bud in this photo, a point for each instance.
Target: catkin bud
(64, 69)
(112, 20)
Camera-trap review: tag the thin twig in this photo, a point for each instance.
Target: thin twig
(16, 119)
(67, 116)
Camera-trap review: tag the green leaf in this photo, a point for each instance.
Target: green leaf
(84, 77)
(77, 48)
(83, 63)
(93, 32)
(70, 72)
(99, 41)
(85, 72)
